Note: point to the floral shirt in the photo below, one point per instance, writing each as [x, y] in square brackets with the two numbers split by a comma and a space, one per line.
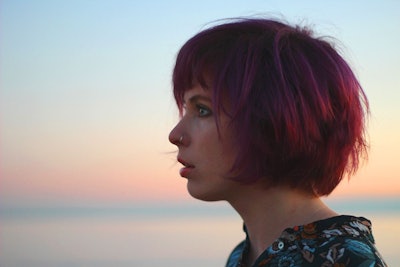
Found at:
[342, 241]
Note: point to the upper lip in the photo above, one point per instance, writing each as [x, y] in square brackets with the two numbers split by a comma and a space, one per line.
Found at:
[184, 163]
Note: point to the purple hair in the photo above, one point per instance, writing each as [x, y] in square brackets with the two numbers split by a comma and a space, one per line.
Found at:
[296, 108]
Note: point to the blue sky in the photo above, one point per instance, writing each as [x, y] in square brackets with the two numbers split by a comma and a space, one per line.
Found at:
[86, 103]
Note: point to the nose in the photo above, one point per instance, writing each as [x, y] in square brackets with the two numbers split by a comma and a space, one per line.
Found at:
[175, 136]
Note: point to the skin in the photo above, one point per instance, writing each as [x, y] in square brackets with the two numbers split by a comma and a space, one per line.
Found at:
[207, 158]
[209, 155]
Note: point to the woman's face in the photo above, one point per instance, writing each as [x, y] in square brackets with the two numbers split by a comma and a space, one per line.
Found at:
[206, 156]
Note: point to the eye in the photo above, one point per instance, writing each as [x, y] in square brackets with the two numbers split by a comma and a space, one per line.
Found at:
[203, 111]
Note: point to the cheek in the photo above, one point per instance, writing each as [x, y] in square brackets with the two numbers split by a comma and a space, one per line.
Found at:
[218, 152]
[206, 136]
[220, 156]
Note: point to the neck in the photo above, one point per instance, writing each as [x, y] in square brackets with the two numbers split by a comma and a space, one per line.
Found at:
[266, 213]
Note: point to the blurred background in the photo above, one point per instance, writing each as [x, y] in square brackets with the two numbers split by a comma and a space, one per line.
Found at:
[87, 175]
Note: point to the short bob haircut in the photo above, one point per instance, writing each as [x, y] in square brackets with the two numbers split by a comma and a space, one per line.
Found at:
[297, 110]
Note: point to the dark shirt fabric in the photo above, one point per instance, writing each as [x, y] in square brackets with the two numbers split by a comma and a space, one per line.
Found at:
[341, 241]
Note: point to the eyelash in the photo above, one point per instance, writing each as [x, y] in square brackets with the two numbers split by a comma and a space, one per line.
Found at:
[197, 109]
[201, 108]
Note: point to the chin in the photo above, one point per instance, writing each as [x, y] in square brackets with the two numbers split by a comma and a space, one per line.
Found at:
[203, 194]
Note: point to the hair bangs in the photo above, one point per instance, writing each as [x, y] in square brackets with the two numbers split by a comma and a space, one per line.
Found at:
[193, 66]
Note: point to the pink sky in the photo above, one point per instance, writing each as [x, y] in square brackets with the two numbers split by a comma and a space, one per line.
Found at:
[85, 111]
[125, 171]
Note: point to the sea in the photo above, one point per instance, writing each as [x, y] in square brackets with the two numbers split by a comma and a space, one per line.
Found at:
[167, 234]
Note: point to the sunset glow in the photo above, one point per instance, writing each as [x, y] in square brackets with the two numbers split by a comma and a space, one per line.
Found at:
[86, 103]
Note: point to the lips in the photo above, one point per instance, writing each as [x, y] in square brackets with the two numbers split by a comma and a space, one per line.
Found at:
[187, 168]
[184, 163]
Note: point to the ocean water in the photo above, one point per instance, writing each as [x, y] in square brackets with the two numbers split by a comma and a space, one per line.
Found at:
[195, 234]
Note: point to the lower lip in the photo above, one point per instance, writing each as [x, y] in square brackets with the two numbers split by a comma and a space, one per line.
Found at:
[184, 172]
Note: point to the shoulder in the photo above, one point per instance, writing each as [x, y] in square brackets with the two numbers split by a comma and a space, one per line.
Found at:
[340, 251]
[348, 251]
[338, 241]
[343, 241]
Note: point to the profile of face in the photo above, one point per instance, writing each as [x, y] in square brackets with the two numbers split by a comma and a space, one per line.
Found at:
[206, 154]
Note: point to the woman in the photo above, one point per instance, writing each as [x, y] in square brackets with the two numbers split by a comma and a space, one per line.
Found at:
[272, 119]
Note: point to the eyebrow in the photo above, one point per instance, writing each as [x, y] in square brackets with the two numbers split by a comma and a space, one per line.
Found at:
[196, 98]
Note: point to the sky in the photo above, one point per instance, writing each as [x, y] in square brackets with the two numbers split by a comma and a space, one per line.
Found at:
[86, 103]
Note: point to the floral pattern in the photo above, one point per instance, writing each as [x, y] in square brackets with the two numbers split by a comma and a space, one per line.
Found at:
[342, 241]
